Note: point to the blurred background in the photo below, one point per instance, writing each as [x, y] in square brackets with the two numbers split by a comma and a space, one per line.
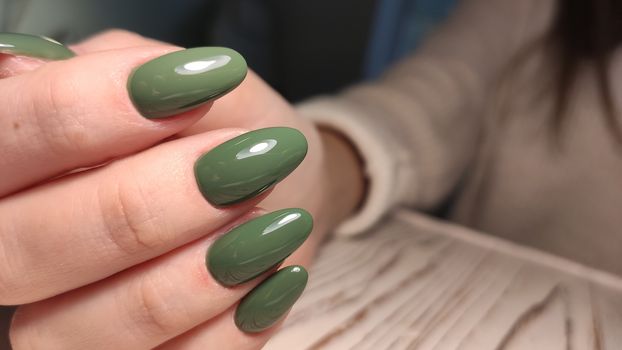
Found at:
[302, 48]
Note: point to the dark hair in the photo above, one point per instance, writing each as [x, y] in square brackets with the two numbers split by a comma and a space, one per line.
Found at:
[585, 32]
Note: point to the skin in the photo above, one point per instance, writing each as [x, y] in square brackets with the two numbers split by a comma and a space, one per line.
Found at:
[96, 266]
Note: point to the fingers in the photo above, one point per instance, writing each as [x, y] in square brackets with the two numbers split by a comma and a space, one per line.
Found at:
[15, 65]
[90, 109]
[132, 210]
[152, 303]
[254, 104]
[33, 46]
[20, 53]
[219, 333]
[138, 309]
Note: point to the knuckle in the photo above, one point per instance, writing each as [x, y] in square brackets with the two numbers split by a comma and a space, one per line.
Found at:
[153, 313]
[130, 220]
[56, 109]
[120, 35]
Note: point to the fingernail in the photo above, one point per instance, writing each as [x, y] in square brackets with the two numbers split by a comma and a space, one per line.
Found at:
[182, 80]
[268, 302]
[258, 245]
[33, 46]
[249, 164]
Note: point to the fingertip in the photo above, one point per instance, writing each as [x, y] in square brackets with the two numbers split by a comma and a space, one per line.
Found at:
[11, 65]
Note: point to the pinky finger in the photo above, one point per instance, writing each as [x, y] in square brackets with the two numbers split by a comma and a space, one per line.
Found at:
[253, 322]
[219, 333]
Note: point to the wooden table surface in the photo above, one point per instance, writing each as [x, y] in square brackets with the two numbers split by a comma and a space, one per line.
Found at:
[416, 283]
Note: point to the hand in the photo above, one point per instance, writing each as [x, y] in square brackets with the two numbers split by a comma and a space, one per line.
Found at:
[105, 221]
[329, 183]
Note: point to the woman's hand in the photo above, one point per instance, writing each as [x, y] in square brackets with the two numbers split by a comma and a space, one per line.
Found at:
[329, 183]
[105, 225]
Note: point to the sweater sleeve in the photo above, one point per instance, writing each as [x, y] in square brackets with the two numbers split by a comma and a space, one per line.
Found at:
[417, 128]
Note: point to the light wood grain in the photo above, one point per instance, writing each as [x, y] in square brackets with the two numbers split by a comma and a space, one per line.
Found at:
[415, 283]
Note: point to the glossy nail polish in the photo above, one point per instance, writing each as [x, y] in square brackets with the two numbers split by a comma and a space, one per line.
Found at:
[182, 80]
[249, 164]
[267, 303]
[33, 46]
[258, 245]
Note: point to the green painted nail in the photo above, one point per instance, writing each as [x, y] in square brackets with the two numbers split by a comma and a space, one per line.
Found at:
[182, 80]
[268, 302]
[256, 246]
[249, 164]
[33, 46]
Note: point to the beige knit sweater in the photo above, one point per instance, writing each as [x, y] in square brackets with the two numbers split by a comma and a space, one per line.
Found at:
[453, 118]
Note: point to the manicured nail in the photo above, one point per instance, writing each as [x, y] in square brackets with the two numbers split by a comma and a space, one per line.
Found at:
[258, 245]
[33, 46]
[249, 164]
[268, 302]
[182, 80]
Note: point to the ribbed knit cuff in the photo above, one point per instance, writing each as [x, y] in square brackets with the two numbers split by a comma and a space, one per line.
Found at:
[380, 154]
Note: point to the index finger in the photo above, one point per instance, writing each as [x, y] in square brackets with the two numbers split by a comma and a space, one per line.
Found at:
[89, 109]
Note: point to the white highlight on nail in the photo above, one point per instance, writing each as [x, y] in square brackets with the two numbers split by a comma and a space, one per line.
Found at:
[284, 221]
[202, 65]
[259, 148]
[49, 39]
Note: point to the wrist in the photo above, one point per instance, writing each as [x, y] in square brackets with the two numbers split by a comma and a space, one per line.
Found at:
[343, 181]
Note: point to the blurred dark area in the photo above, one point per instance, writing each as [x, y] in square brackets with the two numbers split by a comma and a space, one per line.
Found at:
[301, 48]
